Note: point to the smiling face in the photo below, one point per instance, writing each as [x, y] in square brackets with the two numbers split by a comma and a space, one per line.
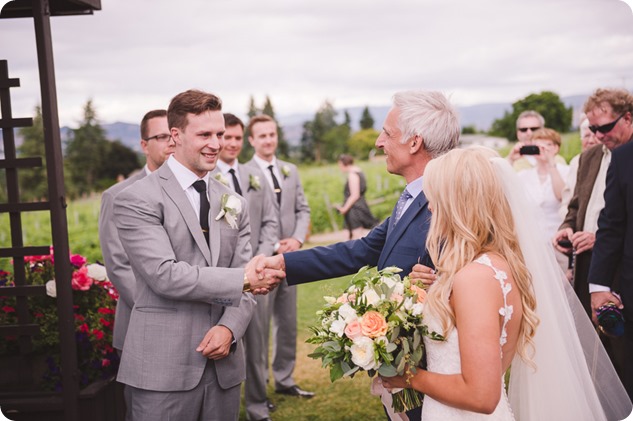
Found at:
[233, 142]
[198, 145]
[398, 154]
[263, 138]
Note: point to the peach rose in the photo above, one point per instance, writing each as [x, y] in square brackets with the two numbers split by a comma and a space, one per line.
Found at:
[420, 292]
[353, 329]
[373, 324]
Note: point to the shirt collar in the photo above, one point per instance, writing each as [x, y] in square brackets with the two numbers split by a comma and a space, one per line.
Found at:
[415, 187]
[184, 175]
[265, 164]
[224, 167]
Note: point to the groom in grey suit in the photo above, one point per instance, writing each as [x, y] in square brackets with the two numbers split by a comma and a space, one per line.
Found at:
[187, 236]
[250, 182]
[157, 146]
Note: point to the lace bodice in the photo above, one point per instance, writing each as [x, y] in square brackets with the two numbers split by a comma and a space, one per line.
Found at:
[443, 357]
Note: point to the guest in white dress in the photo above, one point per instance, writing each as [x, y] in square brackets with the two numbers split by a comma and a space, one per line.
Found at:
[499, 299]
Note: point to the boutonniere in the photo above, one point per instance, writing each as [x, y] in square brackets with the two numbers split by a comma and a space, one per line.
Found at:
[222, 179]
[231, 207]
[285, 170]
[253, 182]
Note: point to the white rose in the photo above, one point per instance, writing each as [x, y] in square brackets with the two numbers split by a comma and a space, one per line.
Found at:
[51, 289]
[362, 351]
[234, 203]
[371, 297]
[347, 312]
[417, 309]
[97, 272]
[338, 327]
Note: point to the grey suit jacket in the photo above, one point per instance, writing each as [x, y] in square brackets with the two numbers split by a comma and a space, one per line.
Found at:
[183, 286]
[294, 212]
[262, 212]
[116, 261]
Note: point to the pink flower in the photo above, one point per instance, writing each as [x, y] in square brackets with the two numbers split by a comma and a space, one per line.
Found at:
[81, 281]
[421, 293]
[105, 362]
[77, 260]
[353, 329]
[397, 298]
[373, 324]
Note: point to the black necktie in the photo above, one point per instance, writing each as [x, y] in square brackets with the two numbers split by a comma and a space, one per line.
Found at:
[201, 187]
[236, 184]
[276, 184]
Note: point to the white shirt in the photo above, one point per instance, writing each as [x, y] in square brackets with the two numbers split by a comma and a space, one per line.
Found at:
[224, 170]
[263, 165]
[186, 178]
[596, 200]
[414, 188]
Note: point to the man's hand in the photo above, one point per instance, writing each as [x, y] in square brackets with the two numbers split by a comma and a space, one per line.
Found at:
[583, 241]
[600, 298]
[421, 273]
[263, 274]
[564, 234]
[216, 344]
[288, 244]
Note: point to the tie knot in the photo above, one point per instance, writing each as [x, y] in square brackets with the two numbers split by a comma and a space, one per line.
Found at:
[270, 167]
[232, 171]
[200, 186]
[405, 195]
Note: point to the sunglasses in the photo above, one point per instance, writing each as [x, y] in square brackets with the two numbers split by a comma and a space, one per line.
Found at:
[525, 129]
[605, 128]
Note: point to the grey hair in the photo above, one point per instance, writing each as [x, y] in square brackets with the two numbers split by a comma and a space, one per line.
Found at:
[531, 113]
[431, 116]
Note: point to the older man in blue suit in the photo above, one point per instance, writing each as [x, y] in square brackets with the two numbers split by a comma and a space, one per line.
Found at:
[420, 126]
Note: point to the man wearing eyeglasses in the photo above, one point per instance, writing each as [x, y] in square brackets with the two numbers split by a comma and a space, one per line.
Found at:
[609, 114]
[527, 123]
[157, 145]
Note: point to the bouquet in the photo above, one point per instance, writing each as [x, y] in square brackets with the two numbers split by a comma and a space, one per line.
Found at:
[94, 302]
[376, 325]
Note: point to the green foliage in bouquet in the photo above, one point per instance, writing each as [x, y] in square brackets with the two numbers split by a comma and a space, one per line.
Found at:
[376, 325]
[94, 302]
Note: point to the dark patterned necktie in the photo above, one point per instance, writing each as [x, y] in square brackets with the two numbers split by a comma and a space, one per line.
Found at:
[236, 184]
[201, 188]
[400, 205]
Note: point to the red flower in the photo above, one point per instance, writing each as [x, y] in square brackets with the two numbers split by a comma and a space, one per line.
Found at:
[105, 362]
[8, 309]
[77, 260]
[81, 281]
[104, 310]
[97, 333]
[38, 315]
[105, 322]
[79, 317]
[84, 328]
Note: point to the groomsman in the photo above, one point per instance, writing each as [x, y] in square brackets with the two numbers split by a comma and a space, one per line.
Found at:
[187, 237]
[250, 182]
[420, 126]
[293, 214]
[157, 146]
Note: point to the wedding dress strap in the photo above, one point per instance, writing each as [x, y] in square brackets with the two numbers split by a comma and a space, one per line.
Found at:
[506, 287]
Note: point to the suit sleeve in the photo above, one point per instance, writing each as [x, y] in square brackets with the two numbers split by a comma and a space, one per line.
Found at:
[302, 211]
[139, 222]
[607, 250]
[336, 260]
[116, 260]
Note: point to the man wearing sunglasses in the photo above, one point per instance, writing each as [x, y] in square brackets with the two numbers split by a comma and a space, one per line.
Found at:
[527, 123]
[609, 114]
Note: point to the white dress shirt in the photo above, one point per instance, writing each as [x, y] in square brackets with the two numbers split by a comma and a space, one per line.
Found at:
[186, 178]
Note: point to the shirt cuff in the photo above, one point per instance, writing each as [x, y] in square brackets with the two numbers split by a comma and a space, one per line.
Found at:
[598, 288]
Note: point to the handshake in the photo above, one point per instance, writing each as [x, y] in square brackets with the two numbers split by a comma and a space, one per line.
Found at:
[262, 274]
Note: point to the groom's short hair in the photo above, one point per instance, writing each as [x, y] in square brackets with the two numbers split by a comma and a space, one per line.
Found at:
[193, 102]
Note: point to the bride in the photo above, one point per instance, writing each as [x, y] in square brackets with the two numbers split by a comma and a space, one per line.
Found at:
[501, 302]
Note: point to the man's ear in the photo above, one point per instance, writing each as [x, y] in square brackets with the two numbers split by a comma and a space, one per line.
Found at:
[175, 134]
[416, 144]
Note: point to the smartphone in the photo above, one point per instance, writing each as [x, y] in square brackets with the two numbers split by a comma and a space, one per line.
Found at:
[529, 150]
[565, 243]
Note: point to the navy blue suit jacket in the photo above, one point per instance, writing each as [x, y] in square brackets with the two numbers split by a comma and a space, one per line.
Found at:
[402, 245]
[612, 258]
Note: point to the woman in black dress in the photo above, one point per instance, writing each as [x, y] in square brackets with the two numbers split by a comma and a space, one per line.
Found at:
[358, 217]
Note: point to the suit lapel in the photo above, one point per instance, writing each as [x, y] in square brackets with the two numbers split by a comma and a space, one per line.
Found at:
[175, 192]
[215, 201]
[394, 233]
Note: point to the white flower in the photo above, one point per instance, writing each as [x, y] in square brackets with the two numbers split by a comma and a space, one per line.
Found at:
[231, 207]
[285, 170]
[417, 308]
[398, 287]
[408, 303]
[347, 312]
[97, 272]
[329, 300]
[362, 351]
[51, 289]
[253, 182]
[371, 296]
[222, 179]
[338, 327]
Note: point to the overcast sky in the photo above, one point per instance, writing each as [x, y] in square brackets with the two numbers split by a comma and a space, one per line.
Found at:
[134, 56]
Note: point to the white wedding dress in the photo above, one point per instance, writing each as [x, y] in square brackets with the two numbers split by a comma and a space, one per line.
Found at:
[443, 357]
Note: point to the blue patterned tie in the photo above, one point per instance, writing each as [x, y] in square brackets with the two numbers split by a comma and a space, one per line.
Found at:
[400, 205]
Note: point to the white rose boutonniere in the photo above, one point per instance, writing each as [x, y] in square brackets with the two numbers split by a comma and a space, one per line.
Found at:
[285, 170]
[253, 182]
[231, 207]
[222, 179]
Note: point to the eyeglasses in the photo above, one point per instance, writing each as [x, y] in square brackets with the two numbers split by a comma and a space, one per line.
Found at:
[525, 129]
[160, 138]
[605, 128]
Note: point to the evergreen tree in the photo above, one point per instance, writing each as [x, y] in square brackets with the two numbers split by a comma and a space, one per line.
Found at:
[33, 181]
[366, 120]
[282, 147]
[86, 153]
[121, 161]
[252, 109]
[307, 143]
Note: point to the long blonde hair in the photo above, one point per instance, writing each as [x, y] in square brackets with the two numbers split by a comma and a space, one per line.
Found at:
[471, 216]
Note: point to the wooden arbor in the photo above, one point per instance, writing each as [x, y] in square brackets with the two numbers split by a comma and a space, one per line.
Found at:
[40, 11]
